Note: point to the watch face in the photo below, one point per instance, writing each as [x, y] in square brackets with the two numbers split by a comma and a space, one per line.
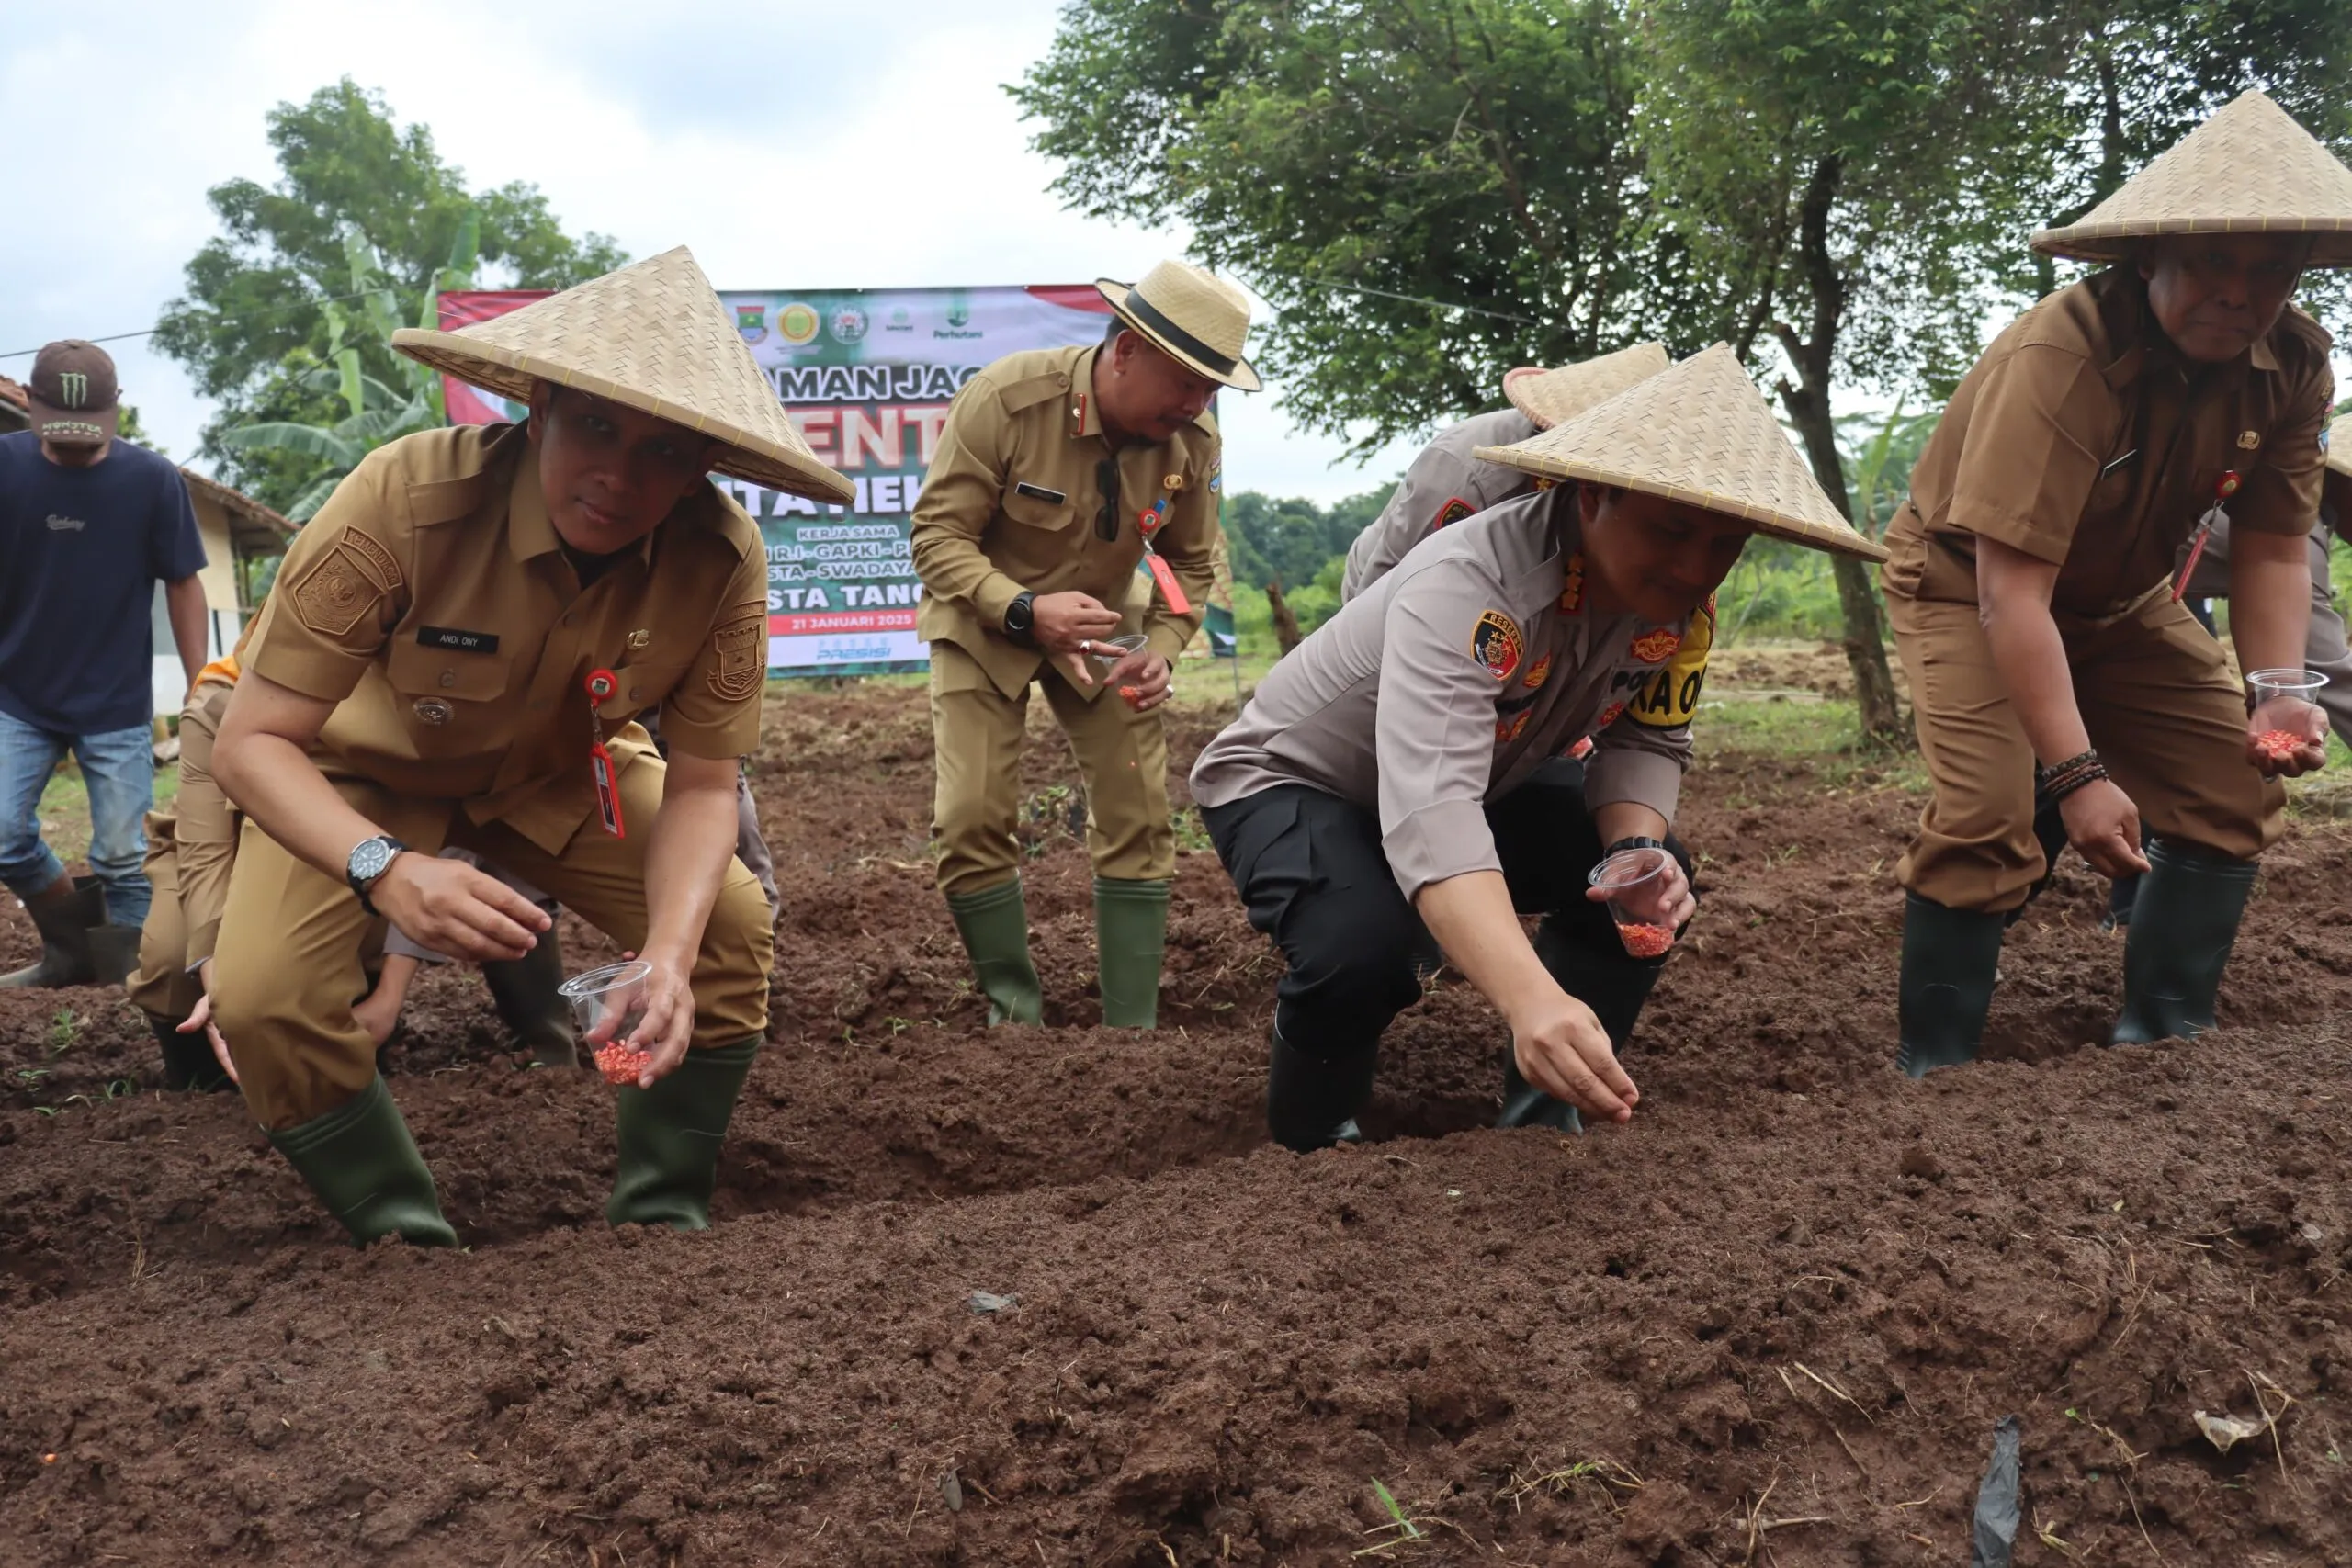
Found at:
[369, 860]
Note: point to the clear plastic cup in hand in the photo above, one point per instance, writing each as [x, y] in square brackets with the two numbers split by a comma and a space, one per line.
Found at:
[1109, 651]
[2285, 708]
[607, 1004]
[1638, 882]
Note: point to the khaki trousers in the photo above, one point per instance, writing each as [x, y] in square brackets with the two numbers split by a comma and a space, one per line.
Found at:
[2161, 708]
[162, 984]
[976, 734]
[288, 967]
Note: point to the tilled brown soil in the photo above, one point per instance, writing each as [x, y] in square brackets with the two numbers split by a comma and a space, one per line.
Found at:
[1773, 1321]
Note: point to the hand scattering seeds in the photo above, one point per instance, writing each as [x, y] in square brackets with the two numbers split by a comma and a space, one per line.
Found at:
[621, 1063]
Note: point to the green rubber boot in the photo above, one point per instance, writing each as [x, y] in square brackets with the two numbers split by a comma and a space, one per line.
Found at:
[364, 1167]
[994, 925]
[1130, 939]
[524, 991]
[668, 1140]
[1950, 958]
[2183, 924]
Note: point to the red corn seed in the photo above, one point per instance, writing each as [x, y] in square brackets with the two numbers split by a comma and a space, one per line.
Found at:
[1646, 940]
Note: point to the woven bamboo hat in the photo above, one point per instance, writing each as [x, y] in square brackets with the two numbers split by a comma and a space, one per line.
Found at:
[655, 337]
[2248, 170]
[1196, 318]
[1547, 397]
[1700, 434]
[2338, 442]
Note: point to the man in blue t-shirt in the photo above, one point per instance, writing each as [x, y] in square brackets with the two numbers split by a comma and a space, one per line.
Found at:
[89, 525]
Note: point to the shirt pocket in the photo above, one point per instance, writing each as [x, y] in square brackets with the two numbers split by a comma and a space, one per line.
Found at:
[1036, 512]
[450, 703]
[637, 687]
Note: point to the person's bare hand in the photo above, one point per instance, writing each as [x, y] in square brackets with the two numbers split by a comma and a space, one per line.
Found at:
[1669, 901]
[200, 1017]
[2104, 827]
[1562, 1050]
[1147, 674]
[1062, 623]
[668, 1026]
[449, 907]
[2288, 715]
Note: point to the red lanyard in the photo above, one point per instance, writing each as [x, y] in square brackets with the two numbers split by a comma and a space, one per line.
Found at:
[2213, 517]
[601, 686]
[1162, 572]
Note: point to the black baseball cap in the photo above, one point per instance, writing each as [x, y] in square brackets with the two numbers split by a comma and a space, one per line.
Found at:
[74, 394]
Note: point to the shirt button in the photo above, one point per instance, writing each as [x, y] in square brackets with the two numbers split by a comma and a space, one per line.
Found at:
[448, 678]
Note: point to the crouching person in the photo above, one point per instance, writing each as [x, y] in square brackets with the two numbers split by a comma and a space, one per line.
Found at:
[1383, 785]
[459, 642]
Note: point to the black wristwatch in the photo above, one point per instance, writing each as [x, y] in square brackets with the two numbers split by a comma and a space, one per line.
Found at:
[1638, 842]
[370, 858]
[1021, 615]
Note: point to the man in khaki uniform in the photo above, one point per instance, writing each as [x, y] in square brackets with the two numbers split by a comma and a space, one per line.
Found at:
[2031, 578]
[1445, 483]
[1058, 470]
[427, 674]
[1376, 788]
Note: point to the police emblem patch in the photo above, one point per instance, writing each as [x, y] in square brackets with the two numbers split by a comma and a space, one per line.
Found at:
[1655, 648]
[1496, 643]
[1572, 583]
[1538, 672]
[1455, 510]
[1511, 726]
[1607, 716]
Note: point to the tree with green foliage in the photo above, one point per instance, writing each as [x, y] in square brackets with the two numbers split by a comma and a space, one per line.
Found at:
[252, 328]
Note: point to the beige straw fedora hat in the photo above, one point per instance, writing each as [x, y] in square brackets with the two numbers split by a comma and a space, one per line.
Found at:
[1547, 397]
[1196, 318]
[1700, 434]
[655, 337]
[2339, 449]
[2248, 170]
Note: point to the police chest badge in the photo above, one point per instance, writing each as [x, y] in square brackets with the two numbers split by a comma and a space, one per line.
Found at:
[1538, 672]
[1511, 726]
[742, 657]
[1653, 647]
[1496, 643]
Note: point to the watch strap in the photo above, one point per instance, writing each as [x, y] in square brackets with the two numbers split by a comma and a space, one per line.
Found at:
[1636, 841]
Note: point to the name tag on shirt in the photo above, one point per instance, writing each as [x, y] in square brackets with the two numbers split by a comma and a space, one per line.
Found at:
[457, 641]
[1039, 492]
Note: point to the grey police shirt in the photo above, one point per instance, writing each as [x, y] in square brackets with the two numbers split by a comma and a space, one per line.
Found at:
[1449, 680]
[1445, 485]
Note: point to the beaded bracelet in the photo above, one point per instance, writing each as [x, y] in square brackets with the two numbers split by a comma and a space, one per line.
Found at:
[2060, 780]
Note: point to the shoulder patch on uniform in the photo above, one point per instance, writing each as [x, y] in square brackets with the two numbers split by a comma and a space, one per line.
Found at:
[1511, 726]
[335, 593]
[1495, 642]
[1455, 510]
[1572, 584]
[1654, 648]
[1538, 672]
[740, 643]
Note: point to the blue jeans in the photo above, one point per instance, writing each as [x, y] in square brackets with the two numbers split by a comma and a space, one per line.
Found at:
[119, 770]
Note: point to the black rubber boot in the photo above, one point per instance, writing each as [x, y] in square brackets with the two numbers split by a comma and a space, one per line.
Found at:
[668, 1139]
[364, 1167]
[2182, 928]
[189, 1060]
[2122, 894]
[1950, 958]
[1613, 985]
[524, 991]
[63, 920]
[114, 953]
[1311, 1103]
[1130, 940]
[994, 924]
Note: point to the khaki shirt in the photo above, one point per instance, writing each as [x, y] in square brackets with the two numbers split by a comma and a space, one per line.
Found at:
[1449, 680]
[202, 825]
[1010, 503]
[2083, 439]
[1445, 485]
[431, 602]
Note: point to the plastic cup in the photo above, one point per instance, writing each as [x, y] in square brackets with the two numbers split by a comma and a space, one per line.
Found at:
[611, 1000]
[2301, 685]
[1633, 880]
[1109, 651]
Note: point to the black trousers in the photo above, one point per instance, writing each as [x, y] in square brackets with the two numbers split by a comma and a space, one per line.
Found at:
[1312, 874]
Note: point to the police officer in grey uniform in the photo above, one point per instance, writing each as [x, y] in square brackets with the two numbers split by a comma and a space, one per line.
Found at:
[1446, 483]
[1371, 794]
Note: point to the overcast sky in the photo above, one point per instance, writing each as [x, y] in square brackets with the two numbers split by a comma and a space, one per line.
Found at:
[791, 144]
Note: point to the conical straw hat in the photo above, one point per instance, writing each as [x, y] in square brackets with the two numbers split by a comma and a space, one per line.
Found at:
[2339, 450]
[1547, 397]
[1700, 434]
[2248, 170]
[1195, 316]
[655, 337]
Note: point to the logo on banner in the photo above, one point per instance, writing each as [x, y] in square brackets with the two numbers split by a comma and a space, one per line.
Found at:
[751, 322]
[899, 321]
[849, 326]
[797, 323]
[959, 309]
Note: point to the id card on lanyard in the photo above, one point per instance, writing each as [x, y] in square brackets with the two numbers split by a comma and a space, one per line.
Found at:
[601, 686]
[1162, 572]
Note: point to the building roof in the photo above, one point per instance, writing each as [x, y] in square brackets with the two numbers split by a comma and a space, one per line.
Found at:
[15, 408]
[253, 529]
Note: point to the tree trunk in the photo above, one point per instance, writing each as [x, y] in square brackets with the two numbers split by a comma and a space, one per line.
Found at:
[1808, 406]
[1285, 624]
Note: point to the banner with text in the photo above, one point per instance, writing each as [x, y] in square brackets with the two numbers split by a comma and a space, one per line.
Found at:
[866, 376]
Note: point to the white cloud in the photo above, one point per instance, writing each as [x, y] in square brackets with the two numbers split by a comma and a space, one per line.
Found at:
[801, 145]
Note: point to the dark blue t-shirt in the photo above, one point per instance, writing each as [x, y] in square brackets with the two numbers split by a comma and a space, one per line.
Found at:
[81, 551]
